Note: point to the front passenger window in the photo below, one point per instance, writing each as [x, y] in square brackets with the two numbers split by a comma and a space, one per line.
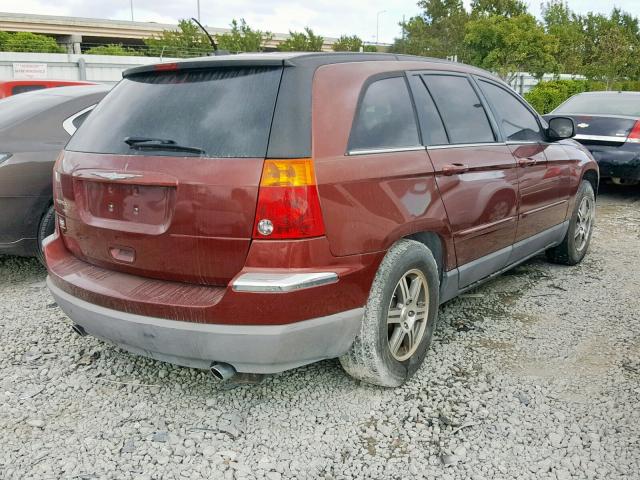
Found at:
[516, 121]
[385, 117]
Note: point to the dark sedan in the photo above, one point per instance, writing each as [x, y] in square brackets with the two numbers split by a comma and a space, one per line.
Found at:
[34, 128]
[608, 125]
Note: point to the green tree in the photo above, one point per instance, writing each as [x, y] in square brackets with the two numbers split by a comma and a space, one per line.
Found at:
[4, 37]
[503, 8]
[438, 32]
[546, 96]
[242, 38]
[111, 49]
[187, 41]
[305, 41]
[347, 44]
[507, 45]
[31, 42]
[611, 47]
[352, 44]
[566, 26]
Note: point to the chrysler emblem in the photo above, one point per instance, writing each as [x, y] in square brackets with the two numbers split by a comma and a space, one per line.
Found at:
[583, 125]
[115, 175]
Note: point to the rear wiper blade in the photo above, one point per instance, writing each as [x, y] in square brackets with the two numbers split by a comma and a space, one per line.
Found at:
[137, 140]
[144, 143]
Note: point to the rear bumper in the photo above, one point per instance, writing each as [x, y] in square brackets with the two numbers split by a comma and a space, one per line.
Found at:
[249, 348]
[617, 161]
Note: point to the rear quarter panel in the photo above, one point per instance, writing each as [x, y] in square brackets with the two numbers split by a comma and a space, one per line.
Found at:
[369, 201]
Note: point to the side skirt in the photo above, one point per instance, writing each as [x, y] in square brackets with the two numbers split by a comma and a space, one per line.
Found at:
[518, 253]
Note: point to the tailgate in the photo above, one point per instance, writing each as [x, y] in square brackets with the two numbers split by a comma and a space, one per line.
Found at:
[161, 180]
[174, 218]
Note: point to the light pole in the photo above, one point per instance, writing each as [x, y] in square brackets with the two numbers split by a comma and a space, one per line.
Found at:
[378, 25]
[131, 4]
[198, 10]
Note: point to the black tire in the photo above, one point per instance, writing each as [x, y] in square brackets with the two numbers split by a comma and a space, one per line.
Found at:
[569, 252]
[370, 358]
[46, 228]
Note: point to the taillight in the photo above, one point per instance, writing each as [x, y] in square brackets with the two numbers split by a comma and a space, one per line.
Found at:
[634, 135]
[288, 201]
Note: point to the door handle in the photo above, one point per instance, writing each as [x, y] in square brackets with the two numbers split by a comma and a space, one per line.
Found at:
[454, 169]
[526, 162]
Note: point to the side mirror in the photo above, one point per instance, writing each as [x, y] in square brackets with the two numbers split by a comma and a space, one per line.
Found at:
[560, 128]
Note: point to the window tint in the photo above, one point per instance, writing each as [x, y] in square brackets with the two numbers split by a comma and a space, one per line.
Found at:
[26, 88]
[385, 118]
[226, 112]
[516, 121]
[433, 132]
[461, 109]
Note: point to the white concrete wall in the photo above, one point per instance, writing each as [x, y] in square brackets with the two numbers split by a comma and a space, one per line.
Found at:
[61, 66]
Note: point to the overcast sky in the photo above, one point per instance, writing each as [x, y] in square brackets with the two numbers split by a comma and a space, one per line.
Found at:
[330, 18]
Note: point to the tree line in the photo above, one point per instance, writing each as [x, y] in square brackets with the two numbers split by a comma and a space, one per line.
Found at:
[504, 37]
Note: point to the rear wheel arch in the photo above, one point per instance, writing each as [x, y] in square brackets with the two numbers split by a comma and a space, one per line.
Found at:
[435, 244]
[46, 226]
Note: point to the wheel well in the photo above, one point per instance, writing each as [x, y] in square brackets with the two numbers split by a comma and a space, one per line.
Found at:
[592, 177]
[434, 243]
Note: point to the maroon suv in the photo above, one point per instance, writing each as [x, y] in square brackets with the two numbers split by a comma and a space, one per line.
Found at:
[255, 213]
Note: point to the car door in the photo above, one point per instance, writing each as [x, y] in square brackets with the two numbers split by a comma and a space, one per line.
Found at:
[475, 171]
[543, 170]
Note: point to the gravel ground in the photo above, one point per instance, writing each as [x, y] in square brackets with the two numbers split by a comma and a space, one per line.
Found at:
[534, 375]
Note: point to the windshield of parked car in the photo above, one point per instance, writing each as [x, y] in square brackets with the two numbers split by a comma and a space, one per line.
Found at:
[605, 104]
[225, 112]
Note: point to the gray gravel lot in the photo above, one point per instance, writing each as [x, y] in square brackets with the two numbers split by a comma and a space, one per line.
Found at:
[534, 375]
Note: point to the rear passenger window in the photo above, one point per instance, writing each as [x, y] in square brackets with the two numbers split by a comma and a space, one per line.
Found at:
[516, 121]
[461, 110]
[433, 132]
[385, 118]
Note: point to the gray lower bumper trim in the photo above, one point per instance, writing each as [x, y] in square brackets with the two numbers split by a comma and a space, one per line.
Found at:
[249, 348]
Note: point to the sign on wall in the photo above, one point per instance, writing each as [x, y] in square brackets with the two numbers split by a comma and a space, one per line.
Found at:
[29, 70]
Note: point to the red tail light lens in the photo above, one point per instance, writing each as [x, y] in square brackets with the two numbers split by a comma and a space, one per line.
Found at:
[634, 135]
[288, 201]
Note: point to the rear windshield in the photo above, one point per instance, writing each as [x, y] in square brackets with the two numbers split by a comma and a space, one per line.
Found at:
[225, 112]
[609, 104]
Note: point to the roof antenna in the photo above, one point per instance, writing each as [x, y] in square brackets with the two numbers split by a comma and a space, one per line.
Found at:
[213, 42]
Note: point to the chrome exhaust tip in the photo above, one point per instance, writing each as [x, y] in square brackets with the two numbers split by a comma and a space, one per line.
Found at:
[222, 371]
[79, 330]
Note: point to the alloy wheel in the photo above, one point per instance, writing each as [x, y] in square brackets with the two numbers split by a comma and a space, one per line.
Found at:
[407, 315]
[584, 223]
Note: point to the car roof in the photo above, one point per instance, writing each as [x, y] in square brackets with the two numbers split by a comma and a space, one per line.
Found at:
[48, 81]
[74, 91]
[287, 59]
[609, 92]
